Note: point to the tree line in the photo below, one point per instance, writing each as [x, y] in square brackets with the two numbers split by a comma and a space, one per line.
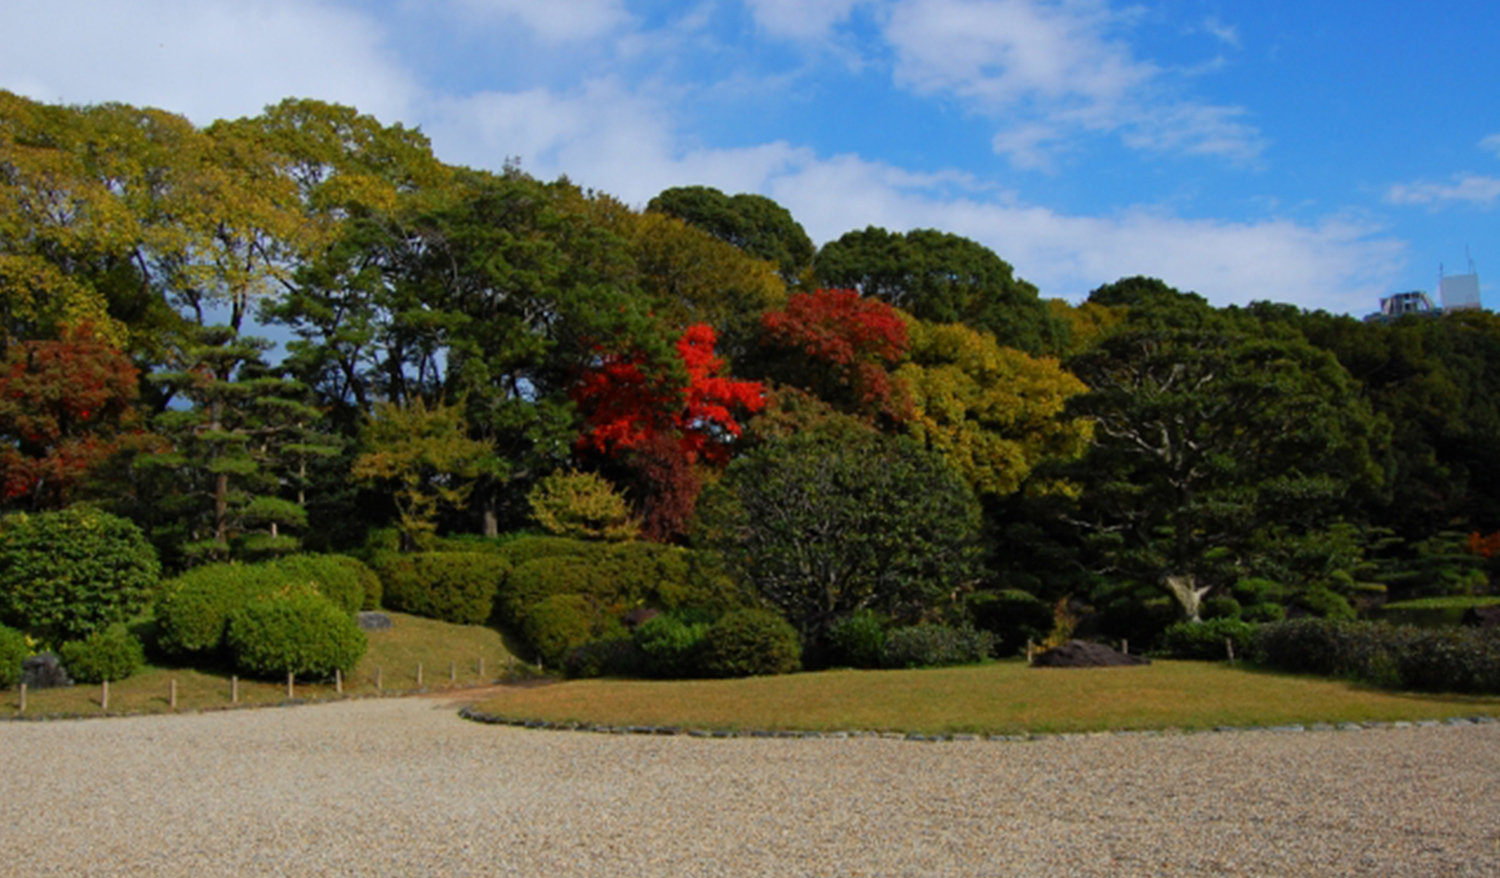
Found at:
[893, 421]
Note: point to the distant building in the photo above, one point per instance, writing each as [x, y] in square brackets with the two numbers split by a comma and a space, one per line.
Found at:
[1458, 292]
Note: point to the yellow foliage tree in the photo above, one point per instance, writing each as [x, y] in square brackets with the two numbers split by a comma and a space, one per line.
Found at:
[583, 506]
[992, 411]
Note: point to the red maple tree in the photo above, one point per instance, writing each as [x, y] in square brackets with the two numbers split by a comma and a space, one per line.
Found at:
[661, 430]
[63, 407]
[841, 347]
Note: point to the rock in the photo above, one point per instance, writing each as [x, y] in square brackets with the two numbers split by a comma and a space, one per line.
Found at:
[44, 671]
[372, 621]
[1083, 654]
[1482, 617]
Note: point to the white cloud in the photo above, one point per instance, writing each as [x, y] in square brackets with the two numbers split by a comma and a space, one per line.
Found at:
[1225, 33]
[1491, 144]
[555, 21]
[206, 59]
[1054, 67]
[800, 19]
[1470, 189]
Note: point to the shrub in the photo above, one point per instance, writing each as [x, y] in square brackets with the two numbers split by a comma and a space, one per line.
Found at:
[1258, 591]
[670, 645]
[751, 643]
[1221, 607]
[856, 640]
[558, 625]
[64, 575]
[610, 657]
[1204, 641]
[1263, 613]
[299, 632]
[457, 587]
[369, 580]
[111, 654]
[582, 506]
[333, 575]
[1013, 616]
[193, 610]
[1320, 601]
[1332, 648]
[921, 646]
[13, 651]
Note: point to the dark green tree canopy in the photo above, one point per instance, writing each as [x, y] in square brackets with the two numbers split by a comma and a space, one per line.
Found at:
[942, 278]
[753, 223]
[822, 527]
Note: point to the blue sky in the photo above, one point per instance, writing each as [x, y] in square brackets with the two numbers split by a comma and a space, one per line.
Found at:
[1320, 153]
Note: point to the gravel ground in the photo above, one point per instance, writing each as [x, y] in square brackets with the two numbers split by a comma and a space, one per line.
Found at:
[405, 787]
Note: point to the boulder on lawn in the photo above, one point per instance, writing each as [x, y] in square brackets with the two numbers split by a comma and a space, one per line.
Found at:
[44, 671]
[1083, 654]
[372, 621]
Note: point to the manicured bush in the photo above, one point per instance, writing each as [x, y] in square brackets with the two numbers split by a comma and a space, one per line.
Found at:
[111, 654]
[333, 575]
[1332, 648]
[457, 587]
[369, 580]
[1013, 616]
[1320, 601]
[856, 640]
[923, 646]
[193, 610]
[751, 643]
[1220, 607]
[299, 632]
[13, 651]
[1205, 641]
[1448, 660]
[671, 646]
[611, 657]
[64, 575]
[557, 626]
[1263, 613]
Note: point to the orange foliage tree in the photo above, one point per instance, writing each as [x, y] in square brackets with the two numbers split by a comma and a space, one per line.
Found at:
[840, 347]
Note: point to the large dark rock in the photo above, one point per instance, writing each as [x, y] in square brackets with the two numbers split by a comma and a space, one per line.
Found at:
[1082, 654]
[1482, 617]
[372, 621]
[44, 671]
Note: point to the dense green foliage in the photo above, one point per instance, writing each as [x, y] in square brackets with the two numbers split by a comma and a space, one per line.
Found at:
[297, 632]
[1208, 641]
[67, 574]
[1013, 616]
[457, 587]
[928, 645]
[13, 651]
[1430, 660]
[751, 643]
[671, 645]
[111, 654]
[856, 640]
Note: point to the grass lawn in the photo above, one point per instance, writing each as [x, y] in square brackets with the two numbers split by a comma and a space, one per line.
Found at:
[997, 698]
[393, 656]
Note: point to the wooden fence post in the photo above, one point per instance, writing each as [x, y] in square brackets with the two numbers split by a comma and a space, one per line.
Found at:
[1125, 646]
[234, 689]
[1229, 647]
[481, 669]
[338, 681]
[23, 698]
[172, 696]
[1030, 651]
[379, 679]
[290, 677]
[104, 696]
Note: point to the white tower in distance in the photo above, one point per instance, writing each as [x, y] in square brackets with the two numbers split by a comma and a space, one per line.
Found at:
[1459, 292]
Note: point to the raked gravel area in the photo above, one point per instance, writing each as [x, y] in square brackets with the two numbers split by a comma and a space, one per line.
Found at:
[404, 787]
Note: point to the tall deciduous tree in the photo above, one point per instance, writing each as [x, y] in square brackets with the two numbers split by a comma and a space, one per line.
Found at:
[942, 278]
[753, 223]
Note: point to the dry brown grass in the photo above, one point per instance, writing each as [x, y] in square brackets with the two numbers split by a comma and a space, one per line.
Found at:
[1004, 697]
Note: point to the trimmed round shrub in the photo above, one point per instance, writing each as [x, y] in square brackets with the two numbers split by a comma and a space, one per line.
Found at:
[856, 640]
[751, 643]
[583, 506]
[13, 651]
[111, 654]
[1221, 607]
[333, 576]
[193, 610]
[369, 581]
[557, 626]
[671, 646]
[610, 657]
[299, 632]
[1013, 616]
[1328, 604]
[457, 587]
[1263, 613]
[1204, 641]
[65, 575]
[924, 646]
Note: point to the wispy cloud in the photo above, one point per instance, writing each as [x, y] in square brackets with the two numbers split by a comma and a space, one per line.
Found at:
[1224, 33]
[801, 19]
[1491, 144]
[1056, 68]
[554, 22]
[1470, 189]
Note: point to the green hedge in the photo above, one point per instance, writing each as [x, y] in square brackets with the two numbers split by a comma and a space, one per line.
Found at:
[671, 646]
[193, 610]
[922, 646]
[557, 626]
[456, 587]
[1205, 641]
[751, 643]
[13, 651]
[299, 632]
[64, 575]
[1430, 660]
[857, 640]
[112, 654]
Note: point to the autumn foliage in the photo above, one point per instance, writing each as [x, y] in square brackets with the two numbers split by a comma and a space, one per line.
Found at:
[1486, 545]
[661, 430]
[63, 405]
[841, 347]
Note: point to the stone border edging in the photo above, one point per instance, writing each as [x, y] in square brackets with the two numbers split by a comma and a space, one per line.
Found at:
[480, 716]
